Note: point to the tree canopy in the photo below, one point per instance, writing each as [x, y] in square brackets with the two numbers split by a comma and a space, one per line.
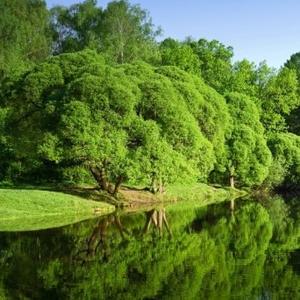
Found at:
[89, 93]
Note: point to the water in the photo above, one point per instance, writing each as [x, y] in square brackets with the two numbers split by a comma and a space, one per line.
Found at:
[176, 252]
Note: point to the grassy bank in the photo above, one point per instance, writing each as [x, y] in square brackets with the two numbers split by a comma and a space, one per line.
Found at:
[27, 209]
[31, 209]
[201, 193]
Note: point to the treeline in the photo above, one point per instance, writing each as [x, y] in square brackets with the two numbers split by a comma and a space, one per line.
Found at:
[88, 93]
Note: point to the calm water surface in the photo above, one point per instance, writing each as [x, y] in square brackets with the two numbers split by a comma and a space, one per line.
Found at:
[176, 252]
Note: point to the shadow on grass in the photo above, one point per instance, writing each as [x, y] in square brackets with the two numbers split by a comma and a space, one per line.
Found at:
[85, 192]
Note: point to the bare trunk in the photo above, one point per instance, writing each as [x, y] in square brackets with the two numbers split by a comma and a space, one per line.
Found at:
[232, 181]
[232, 205]
[161, 186]
[166, 223]
[153, 188]
[100, 176]
[160, 221]
[122, 56]
[118, 185]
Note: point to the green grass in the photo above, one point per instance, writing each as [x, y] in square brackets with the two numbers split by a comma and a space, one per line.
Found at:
[22, 209]
[202, 193]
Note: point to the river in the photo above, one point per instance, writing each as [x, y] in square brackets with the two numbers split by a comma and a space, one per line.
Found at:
[181, 251]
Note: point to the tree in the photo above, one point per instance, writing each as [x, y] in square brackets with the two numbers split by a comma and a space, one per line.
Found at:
[244, 79]
[294, 63]
[5, 152]
[128, 32]
[25, 35]
[215, 62]
[293, 121]
[76, 27]
[278, 99]
[285, 168]
[174, 53]
[208, 108]
[249, 157]
[117, 122]
[121, 31]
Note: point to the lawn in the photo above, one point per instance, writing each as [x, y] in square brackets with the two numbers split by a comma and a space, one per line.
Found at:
[26, 209]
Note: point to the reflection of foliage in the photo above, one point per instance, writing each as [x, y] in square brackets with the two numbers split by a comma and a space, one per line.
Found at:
[285, 217]
[280, 279]
[211, 255]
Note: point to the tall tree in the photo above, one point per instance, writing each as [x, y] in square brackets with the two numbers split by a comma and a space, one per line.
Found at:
[128, 32]
[174, 53]
[76, 27]
[215, 62]
[24, 34]
[244, 78]
[249, 158]
[278, 99]
[294, 63]
[124, 32]
[293, 120]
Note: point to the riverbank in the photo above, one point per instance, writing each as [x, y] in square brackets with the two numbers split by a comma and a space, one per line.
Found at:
[134, 197]
[31, 209]
[202, 194]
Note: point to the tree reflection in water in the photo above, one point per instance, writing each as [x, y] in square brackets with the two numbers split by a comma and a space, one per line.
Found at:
[215, 252]
[98, 240]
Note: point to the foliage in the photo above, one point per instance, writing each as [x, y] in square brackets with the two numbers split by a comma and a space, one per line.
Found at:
[116, 106]
[21, 42]
[249, 157]
[286, 159]
[76, 27]
[211, 254]
[124, 32]
[174, 53]
[278, 99]
[117, 120]
[215, 62]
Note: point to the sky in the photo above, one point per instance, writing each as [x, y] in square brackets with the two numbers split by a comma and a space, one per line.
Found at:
[257, 29]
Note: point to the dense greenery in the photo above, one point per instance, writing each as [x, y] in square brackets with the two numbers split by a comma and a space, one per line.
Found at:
[92, 96]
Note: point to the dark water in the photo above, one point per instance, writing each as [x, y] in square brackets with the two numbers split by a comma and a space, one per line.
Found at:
[177, 252]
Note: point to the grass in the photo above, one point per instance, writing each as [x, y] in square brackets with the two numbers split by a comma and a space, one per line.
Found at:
[28, 209]
[196, 194]
[202, 193]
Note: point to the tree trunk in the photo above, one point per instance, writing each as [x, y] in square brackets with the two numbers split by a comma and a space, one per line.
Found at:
[232, 205]
[153, 187]
[161, 186]
[118, 185]
[100, 177]
[232, 181]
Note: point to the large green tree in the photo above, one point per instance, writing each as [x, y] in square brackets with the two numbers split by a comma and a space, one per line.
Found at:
[117, 122]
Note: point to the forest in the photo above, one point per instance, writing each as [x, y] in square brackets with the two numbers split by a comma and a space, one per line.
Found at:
[93, 95]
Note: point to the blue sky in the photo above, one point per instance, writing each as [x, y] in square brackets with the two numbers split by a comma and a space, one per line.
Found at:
[258, 30]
